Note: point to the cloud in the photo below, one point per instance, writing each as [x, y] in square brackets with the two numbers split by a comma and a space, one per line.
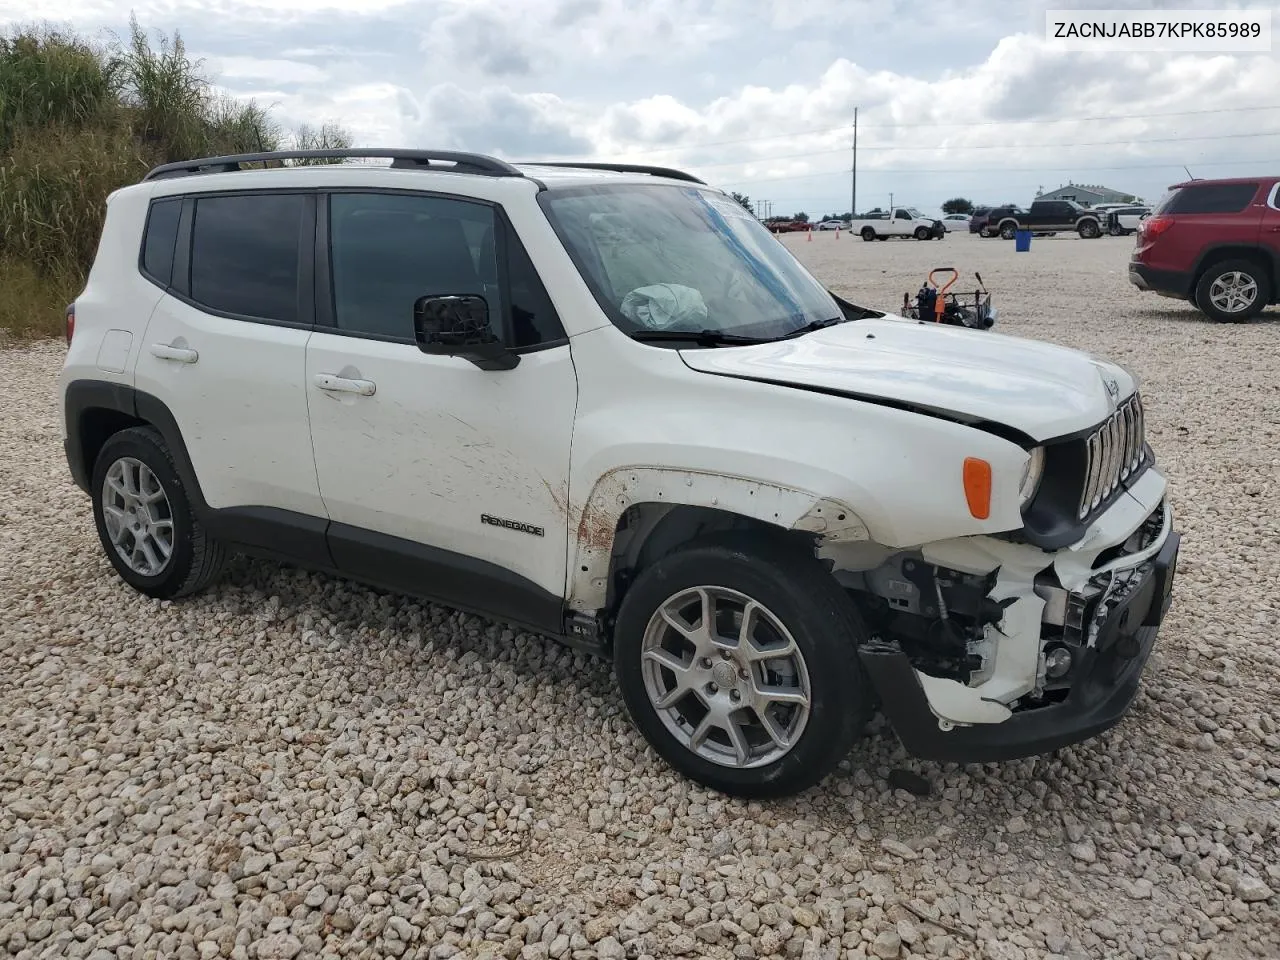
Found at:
[751, 94]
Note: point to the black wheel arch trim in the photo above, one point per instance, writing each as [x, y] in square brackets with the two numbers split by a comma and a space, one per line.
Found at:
[379, 560]
[1222, 251]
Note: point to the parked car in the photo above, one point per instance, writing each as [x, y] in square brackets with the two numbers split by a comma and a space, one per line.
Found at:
[1122, 221]
[1049, 216]
[905, 222]
[952, 221]
[833, 225]
[1215, 243]
[784, 225]
[471, 381]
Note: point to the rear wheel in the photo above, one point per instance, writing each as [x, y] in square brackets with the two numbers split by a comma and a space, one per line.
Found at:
[1007, 230]
[868, 233]
[1233, 291]
[737, 660]
[144, 519]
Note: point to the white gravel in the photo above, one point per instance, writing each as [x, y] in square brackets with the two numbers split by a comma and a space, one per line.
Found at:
[290, 766]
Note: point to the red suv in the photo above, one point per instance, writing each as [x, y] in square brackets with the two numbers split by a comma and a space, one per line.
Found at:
[1215, 243]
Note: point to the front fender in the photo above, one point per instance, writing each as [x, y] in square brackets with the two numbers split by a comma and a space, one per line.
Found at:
[784, 507]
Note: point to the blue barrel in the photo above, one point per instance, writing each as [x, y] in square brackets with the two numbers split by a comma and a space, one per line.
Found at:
[1021, 241]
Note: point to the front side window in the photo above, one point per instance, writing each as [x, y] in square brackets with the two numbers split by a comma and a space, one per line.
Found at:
[389, 249]
[684, 259]
[244, 255]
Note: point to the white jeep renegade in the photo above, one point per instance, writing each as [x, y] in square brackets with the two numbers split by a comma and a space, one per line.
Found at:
[603, 402]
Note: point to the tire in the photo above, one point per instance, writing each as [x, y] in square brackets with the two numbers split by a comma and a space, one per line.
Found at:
[1007, 230]
[1088, 229]
[1213, 291]
[868, 233]
[922, 233]
[1116, 230]
[137, 459]
[794, 590]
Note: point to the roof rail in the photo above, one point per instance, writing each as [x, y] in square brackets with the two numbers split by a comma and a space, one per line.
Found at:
[463, 162]
[622, 168]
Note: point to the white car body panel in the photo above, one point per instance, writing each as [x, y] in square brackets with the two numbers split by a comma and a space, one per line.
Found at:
[441, 443]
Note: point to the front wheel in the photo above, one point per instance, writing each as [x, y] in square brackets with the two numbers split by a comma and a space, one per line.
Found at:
[1088, 229]
[144, 518]
[1233, 291]
[737, 660]
[922, 233]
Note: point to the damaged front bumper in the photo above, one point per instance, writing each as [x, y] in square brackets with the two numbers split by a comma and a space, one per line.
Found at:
[1108, 598]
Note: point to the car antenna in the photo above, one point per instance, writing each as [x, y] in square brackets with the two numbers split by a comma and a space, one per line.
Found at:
[1190, 175]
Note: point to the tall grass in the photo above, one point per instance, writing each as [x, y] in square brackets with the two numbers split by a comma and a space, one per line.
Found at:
[79, 120]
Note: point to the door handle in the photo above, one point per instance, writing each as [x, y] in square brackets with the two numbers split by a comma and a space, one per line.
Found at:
[336, 384]
[1275, 230]
[181, 354]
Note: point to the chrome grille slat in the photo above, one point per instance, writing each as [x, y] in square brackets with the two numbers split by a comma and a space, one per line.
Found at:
[1113, 452]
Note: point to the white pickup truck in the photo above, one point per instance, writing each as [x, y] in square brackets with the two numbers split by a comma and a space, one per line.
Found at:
[904, 222]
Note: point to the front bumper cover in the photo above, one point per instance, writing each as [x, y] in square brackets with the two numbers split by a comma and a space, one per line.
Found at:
[1105, 682]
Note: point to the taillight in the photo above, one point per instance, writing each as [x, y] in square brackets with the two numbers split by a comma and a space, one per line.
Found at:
[1152, 227]
[71, 322]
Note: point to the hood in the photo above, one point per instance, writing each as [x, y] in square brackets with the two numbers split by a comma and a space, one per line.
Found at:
[1037, 388]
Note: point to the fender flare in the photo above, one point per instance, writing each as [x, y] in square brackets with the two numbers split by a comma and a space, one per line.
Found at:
[787, 508]
[83, 396]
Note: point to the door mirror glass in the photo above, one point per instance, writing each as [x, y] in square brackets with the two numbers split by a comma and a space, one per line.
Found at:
[458, 326]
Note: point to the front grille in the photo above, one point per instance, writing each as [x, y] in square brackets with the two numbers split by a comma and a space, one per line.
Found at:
[1116, 450]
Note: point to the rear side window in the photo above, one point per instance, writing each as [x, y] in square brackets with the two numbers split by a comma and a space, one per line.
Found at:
[244, 255]
[160, 239]
[1209, 198]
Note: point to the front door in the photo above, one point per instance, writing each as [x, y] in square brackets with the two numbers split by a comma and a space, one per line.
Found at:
[440, 478]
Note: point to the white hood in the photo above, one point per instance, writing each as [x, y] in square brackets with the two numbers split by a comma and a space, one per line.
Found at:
[1041, 389]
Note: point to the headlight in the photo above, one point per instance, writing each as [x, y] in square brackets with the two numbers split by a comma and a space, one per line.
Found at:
[1031, 474]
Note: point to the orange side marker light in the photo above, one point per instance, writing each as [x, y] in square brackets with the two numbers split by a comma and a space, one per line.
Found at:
[977, 487]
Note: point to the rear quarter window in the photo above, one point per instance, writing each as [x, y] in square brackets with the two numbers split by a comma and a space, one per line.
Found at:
[160, 239]
[1209, 198]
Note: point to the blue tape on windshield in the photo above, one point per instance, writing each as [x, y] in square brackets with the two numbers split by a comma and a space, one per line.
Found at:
[767, 278]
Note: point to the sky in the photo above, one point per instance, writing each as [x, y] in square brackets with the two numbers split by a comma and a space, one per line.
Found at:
[964, 98]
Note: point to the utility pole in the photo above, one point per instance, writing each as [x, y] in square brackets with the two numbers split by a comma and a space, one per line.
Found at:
[891, 205]
[853, 183]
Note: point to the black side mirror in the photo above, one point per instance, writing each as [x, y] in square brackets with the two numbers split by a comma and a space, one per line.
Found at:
[458, 326]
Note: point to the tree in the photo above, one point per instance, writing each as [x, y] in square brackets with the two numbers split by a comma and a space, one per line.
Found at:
[743, 199]
[958, 205]
[801, 217]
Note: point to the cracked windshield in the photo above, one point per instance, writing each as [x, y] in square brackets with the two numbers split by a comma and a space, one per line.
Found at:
[685, 260]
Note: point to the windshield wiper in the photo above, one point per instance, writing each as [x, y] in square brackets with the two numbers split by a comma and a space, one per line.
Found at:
[705, 338]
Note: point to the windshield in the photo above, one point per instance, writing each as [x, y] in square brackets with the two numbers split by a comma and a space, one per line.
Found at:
[684, 259]
[916, 214]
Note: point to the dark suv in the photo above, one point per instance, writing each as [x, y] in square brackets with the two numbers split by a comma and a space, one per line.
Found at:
[1215, 243]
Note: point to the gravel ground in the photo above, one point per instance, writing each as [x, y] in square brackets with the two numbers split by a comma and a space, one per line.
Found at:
[291, 766]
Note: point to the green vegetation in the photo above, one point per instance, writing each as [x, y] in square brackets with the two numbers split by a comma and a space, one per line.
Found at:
[79, 120]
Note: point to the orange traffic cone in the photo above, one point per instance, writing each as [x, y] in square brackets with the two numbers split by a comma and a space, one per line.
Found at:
[837, 233]
[809, 238]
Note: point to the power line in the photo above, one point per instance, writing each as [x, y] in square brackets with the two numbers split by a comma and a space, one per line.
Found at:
[813, 131]
[995, 146]
[906, 171]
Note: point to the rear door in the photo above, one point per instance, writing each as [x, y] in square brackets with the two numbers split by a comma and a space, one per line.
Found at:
[225, 347]
[1211, 215]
